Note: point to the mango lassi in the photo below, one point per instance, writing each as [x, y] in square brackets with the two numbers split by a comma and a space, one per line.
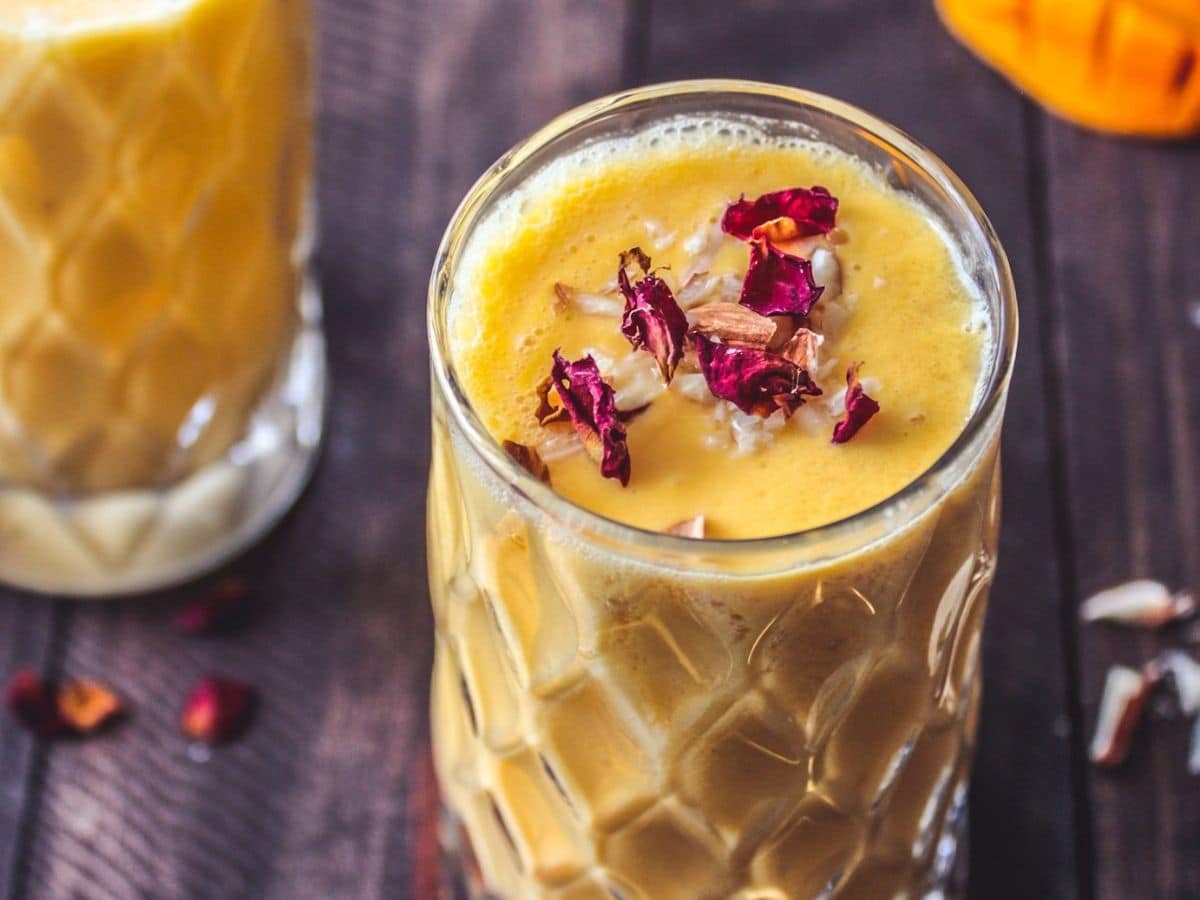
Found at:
[155, 170]
[154, 161]
[639, 715]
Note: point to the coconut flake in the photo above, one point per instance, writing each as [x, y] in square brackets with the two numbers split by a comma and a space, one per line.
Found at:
[1142, 603]
[1121, 706]
[704, 287]
[827, 273]
[702, 247]
[660, 238]
[689, 528]
[590, 304]
[635, 381]
[560, 446]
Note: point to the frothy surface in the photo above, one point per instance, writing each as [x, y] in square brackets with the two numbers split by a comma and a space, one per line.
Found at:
[43, 18]
[910, 318]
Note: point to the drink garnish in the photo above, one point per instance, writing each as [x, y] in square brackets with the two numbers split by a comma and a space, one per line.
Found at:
[528, 459]
[859, 408]
[732, 323]
[653, 320]
[803, 348]
[591, 405]
[813, 210]
[755, 381]
[49, 710]
[219, 610]
[689, 528]
[778, 283]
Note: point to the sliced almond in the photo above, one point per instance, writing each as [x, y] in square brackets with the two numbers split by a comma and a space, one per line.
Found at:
[803, 348]
[1185, 678]
[689, 528]
[1142, 603]
[1125, 693]
[732, 323]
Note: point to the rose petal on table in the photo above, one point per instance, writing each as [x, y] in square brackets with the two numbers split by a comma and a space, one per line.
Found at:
[33, 703]
[1142, 603]
[217, 710]
[87, 706]
[1121, 706]
[221, 608]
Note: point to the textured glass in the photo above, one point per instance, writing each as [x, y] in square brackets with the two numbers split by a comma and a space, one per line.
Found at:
[154, 232]
[623, 714]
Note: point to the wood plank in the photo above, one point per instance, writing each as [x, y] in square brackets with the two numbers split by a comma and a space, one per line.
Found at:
[1123, 221]
[26, 640]
[316, 800]
[894, 59]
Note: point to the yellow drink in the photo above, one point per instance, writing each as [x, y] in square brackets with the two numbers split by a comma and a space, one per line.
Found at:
[154, 159]
[619, 712]
[155, 164]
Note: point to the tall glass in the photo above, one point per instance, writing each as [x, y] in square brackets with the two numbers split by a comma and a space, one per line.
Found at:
[622, 713]
[161, 361]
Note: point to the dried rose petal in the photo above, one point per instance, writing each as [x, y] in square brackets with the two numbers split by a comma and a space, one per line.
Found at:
[1185, 678]
[859, 408]
[217, 710]
[1143, 603]
[222, 608]
[529, 460]
[635, 255]
[755, 381]
[778, 283]
[33, 702]
[653, 321]
[812, 210]
[87, 706]
[1125, 693]
[689, 528]
[732, 323]
[591, 404]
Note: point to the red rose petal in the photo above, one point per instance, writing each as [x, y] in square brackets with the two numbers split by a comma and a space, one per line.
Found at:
[33, 702]
[223, 607]
[591, 404]
[217, 710]
[859, 408]
[755, 381]
[653, 321]
[779, 284]
[87, 706]
[814, 211]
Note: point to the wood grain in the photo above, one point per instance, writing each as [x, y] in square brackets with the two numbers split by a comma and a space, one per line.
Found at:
[893, 59]
[317, 801]
[1124, 238]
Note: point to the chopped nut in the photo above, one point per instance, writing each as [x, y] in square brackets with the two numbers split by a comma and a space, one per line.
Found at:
[732, 323]
[1142, 603]
[1125, 693]
[87, 706]
[1185, 678]
[803, 347]
[529, 460]
[689, 528]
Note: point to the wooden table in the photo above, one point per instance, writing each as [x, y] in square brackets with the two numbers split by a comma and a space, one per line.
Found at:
[329, 796]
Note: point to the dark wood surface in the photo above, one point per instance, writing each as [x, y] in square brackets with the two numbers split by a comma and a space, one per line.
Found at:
[329, 795]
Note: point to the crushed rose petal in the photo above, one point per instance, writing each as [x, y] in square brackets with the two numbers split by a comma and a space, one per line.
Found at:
[653, 320]
[591, 405]
[222, 608]
[778, 283]
[217, 710]
[87, 706]
[33, 702]
[859, 408]
[529, 460]
[1143, 603]
[755, 381]
[1121, 706]
[812, 211]
[689, 528]
[731, 323]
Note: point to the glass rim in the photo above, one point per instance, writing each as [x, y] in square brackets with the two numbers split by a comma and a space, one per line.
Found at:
[492, 184]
